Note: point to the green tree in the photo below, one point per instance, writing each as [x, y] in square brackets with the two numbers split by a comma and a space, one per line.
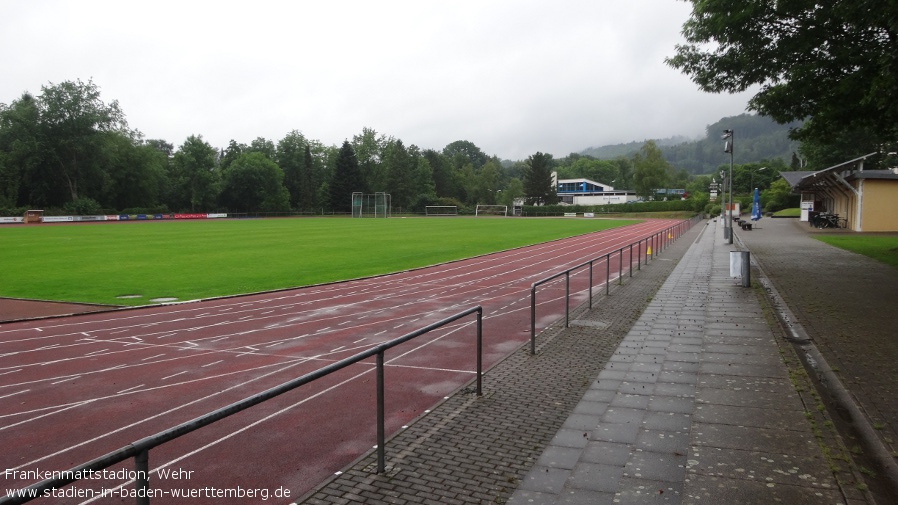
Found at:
[779, 196]
[650, 170]
[195, 175]
[137, 174]
[346, 179]
[513, 190]
[399, 167]
[473, 154]
[311, 181]
[292, 160]
[75, 122]
[539, 187]
[444, 183]
[264, 146]
[624, 178]
[21, 154]
[231, 153]
[488, 183]
[833, 64]
[254, 183]
[369, 150]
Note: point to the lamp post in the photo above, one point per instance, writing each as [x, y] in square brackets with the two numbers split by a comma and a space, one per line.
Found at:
[723, 200]
[728, 148]
[752, 185]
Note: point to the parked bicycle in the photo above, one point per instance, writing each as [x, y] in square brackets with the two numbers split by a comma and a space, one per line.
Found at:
[827, 220]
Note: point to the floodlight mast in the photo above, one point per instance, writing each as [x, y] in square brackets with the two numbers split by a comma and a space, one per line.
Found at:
[728, 148]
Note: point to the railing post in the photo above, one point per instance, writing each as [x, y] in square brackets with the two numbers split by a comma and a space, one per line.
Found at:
[567, 301]
[533, 319]
[590, 284]
[479, 351]
[639, 255]
[142, 480]
[381, 451]
[608, 274]
[631, 260]
[620, 265]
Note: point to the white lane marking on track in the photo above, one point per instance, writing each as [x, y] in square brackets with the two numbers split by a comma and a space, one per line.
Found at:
[132, 388]
[65, 380]
[96, 352]
[160, 414]
[359, 340]
[11, 371]
[213, 363]
[241, 430]
[16, 393]
[151, 357]
[433, 369]
[338, 348]
[172, 375]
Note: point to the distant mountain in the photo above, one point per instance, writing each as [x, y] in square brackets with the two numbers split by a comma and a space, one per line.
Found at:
[756, 138]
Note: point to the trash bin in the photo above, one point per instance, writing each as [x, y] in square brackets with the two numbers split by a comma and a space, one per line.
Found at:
[740, 266]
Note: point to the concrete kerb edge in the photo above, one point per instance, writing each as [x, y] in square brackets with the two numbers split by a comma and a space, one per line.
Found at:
[813, 359]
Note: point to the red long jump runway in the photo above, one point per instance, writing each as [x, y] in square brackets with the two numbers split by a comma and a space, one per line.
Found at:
[75, 388]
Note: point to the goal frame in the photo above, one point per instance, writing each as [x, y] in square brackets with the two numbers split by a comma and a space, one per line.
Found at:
[500, 210]
[371, 204]
[453, 210]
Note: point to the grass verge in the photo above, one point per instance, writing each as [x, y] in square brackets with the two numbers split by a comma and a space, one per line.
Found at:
[880, 247]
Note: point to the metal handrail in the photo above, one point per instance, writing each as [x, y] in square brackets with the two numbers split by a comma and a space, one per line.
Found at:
[659, 240]
[139, 450]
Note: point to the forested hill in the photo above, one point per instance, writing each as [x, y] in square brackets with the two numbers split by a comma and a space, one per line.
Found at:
[756, 138]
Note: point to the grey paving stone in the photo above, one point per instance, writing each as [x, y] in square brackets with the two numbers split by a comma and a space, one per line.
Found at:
[753, 438]
[771, 417]
[615, 432]
[559, 457]
[545, 479]
[606, 453]
[584, 497]
[701, 490]
[635, 491]
[667, 421]
[657, 466]
[792, 469]
[595, 477]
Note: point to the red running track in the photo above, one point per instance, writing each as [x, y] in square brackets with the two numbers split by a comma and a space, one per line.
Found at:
[75, 388]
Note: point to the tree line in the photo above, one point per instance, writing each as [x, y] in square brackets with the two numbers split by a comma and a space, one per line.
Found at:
[66, 149]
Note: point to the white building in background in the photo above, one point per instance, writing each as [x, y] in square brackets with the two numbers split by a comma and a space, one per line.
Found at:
[588, 192]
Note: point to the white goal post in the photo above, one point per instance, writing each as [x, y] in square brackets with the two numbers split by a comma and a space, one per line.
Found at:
[441, 210]
[371, 205]
[491, 210]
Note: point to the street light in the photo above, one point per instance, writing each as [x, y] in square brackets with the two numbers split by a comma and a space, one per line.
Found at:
[752, 185]
[728, 148]
[723, 199]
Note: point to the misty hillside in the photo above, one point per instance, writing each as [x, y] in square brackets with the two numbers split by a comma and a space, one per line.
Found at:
[756, 138]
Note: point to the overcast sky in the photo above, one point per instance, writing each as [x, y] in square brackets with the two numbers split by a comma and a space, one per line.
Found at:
[512, 76]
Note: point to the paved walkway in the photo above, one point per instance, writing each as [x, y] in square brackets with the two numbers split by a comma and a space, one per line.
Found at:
[678, 387]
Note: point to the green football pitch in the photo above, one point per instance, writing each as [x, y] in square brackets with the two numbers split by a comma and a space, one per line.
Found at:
[137, 262]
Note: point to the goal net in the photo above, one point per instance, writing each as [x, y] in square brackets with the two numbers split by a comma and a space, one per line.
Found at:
[491, 210]
[371, 205]
[441, 210]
